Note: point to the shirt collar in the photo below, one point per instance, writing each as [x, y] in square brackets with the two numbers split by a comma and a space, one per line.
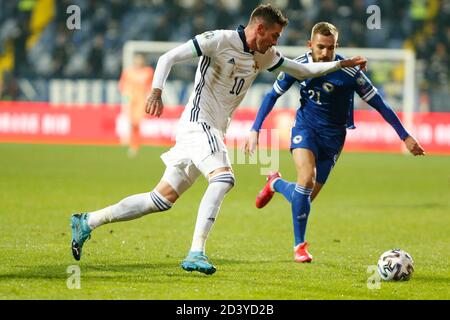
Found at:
[241, 32]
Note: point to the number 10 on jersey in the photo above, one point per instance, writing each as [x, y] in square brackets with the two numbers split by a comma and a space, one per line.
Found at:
[237, 87]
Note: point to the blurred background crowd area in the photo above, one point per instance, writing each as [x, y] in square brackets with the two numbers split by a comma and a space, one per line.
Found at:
[35, 41]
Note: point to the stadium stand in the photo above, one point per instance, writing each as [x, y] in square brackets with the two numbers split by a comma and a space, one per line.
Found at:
[35, 43]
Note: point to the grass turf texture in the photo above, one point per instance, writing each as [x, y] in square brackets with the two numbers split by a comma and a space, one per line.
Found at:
[371, 203]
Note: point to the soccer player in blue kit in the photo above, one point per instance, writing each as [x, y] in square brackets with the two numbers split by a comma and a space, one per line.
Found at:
[318, 134]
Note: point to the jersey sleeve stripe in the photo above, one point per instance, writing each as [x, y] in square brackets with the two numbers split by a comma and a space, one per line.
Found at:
[351, 70]
[197, 47]
[348, 72]
[278, 89]
[370, 94]
[279, 63]
[302, 58]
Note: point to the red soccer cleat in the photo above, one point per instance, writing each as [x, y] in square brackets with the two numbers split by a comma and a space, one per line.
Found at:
[267, 193]
[302, 254]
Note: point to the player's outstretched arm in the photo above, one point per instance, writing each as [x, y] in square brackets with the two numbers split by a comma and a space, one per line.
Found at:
[303, 71]
[354, 62]
[365, 91]
[413, 146]
[184, 52]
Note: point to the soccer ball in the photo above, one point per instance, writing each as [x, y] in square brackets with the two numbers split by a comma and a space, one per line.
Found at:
[395, 265]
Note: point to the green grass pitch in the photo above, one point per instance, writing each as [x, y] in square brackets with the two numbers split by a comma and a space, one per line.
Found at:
[371, 203]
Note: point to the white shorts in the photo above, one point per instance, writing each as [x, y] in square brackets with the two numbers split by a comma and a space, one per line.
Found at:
[199, 149]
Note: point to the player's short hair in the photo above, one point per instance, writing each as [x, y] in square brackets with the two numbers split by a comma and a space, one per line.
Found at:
[269, 15]
[325, 29]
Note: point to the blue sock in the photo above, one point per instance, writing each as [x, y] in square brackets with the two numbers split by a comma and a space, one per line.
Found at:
[301, 206]
[285, 188]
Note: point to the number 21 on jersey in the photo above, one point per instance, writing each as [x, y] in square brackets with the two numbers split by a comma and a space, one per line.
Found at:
[315, 94]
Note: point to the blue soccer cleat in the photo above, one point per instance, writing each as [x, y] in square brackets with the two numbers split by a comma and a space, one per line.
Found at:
[198, 261]
[80, 233]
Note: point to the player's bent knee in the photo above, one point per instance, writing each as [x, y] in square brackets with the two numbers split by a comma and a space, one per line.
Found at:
[219, 171]
[176, 181]
[167, 191]
[225, 177]
[159, 201]
[306, 179]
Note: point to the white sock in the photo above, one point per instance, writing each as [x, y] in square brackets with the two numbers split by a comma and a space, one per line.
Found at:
[219, 185]
[130, 208]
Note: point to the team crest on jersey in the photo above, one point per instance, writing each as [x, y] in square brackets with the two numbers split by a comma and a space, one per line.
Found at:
[297, 139]
[281, 76]
[255, 66]
[208, 34]
[328, 87]
[361, 81]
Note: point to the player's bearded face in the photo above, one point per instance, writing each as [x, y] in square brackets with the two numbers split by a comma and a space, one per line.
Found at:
[267, 37]
[323, 48]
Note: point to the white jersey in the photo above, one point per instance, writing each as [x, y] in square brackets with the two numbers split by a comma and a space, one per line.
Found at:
[225, 71]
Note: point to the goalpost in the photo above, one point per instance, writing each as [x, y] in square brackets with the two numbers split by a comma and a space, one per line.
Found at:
[383, 58]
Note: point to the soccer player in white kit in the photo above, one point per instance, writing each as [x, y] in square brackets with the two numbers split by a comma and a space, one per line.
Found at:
[230, 61]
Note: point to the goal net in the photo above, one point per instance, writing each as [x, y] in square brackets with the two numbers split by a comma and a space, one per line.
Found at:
[392, 71]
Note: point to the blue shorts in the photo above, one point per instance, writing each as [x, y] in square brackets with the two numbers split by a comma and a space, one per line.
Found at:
[326, 149]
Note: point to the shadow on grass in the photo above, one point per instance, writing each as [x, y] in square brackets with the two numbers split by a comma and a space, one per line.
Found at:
[104, 270]
[130, 272]
[436, 279]
[60, 271]
[425, 205]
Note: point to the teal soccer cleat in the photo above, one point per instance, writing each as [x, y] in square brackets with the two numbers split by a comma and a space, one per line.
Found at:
[80, 233]
[197, 261]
